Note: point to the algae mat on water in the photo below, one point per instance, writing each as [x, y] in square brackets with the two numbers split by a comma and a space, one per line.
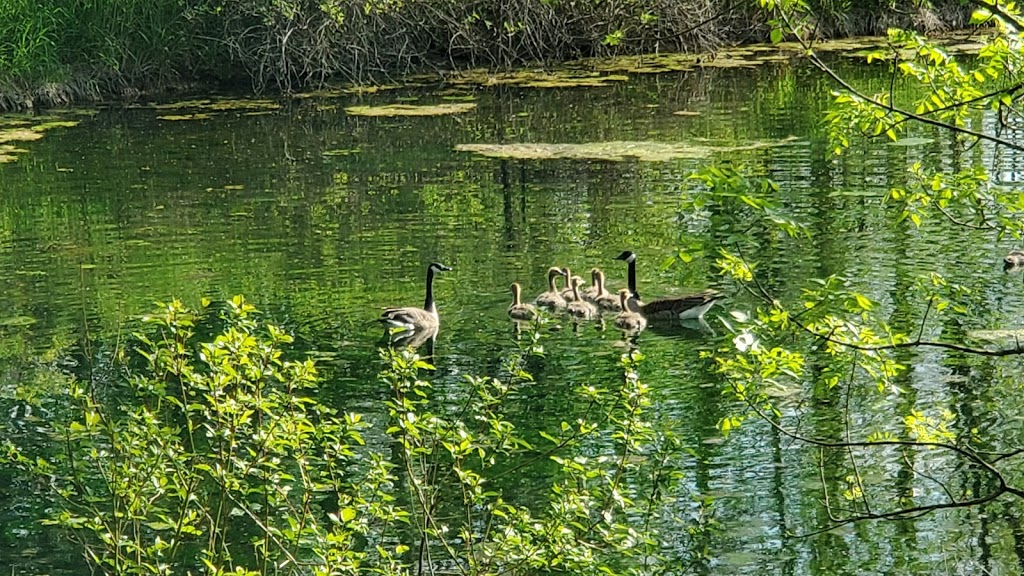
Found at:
[566, 78]
[19, 131]
[411, 110]
[614, 151]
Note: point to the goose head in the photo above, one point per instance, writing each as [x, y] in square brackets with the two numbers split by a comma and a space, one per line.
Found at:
[438, 267]
[553, 272]
[569, 278]
[574, 283]
[627, 256]
[624, 299]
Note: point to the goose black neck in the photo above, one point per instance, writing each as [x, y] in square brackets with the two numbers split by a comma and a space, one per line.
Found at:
[428, 303]
[632, 279]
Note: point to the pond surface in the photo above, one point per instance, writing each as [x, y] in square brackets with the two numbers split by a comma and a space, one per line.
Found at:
[321, 218]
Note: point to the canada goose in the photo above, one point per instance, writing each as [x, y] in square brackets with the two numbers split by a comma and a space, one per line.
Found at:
[590, 294]
[676, 307]
[1014, 260]
[629, 320]
[551, 298]
[567, 293]
[416, 319]
[602, 299]
[518, 310]
[579, 307]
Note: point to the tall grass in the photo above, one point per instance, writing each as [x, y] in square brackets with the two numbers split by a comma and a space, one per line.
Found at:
[28, 48]
[56, 49]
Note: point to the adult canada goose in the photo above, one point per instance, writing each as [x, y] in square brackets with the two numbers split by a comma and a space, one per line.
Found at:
[415, 319]
[579, 307]
[1014, 260]
[676, 307]
[602, 299]
[552, 298]
[629, 320]
[518, 310]
[567, 293]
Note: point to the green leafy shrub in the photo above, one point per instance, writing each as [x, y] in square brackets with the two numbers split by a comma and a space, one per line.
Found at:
[216, 454]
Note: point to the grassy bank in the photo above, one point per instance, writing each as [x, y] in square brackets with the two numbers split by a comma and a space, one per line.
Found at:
[53, 52]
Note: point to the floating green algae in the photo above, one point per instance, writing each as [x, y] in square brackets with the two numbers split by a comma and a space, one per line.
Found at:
[54, 124]
[565, 78]
[411, 110]
[614, 151]
[7, 153]
[184, 117]
[19, 134]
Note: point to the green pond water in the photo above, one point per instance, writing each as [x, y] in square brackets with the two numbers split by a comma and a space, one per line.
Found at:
[321, 218]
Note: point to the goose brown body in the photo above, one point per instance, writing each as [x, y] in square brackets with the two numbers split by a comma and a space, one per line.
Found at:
[628, 319]
[602, 299]
[517, 310]
[578, 307]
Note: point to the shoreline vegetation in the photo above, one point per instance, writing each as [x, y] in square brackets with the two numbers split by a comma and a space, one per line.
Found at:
[53, 53]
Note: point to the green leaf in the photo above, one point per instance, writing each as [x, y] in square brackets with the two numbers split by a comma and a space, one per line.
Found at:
[863, 302]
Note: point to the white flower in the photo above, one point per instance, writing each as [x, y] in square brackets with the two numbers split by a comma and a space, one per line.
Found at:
[744, 341]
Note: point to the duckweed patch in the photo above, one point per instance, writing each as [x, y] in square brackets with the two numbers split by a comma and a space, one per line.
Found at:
[21, 129]
[19, 134]
[411, 110]
[207, 104]
[566, 78]
[7, 153]
[341, 91]
[183, 117]
[55, 124]
[614, 151]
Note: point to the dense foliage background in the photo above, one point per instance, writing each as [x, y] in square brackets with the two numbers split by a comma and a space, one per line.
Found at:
[53, 51]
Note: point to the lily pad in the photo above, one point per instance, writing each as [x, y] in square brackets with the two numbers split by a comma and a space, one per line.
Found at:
[615, 151]
[411, 110]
